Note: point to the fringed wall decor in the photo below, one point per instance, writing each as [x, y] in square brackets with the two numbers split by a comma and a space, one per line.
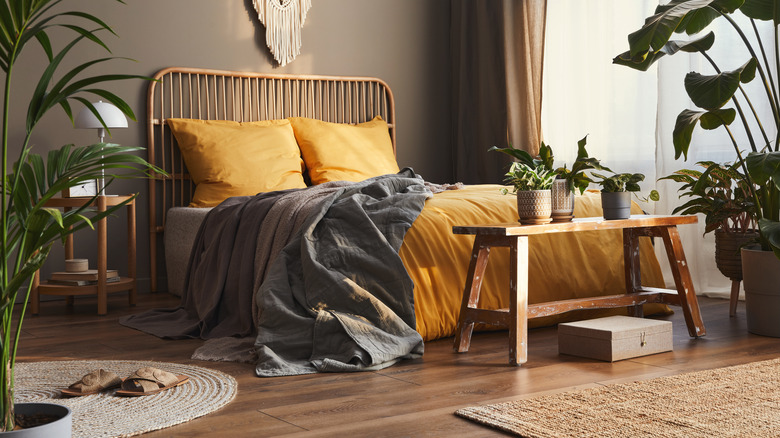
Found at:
[283, 20]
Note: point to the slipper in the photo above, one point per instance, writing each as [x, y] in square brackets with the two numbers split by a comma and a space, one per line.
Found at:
[93, 383]
[148, 380]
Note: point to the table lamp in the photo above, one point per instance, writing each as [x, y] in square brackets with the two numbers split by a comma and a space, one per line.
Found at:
[112, 117]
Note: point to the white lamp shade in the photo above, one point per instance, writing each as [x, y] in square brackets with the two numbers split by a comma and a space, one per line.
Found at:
[112, 116]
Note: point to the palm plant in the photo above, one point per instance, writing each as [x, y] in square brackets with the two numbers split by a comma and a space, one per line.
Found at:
[27, 228]
[711, 92]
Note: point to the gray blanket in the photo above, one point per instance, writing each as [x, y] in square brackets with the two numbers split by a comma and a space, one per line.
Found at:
[322, 263]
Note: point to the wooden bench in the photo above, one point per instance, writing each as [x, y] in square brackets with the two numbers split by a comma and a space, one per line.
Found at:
[515, 237]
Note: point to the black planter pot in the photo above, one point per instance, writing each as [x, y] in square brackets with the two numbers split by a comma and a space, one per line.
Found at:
[616, 205]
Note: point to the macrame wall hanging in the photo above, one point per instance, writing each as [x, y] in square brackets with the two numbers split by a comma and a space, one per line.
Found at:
[283, 20]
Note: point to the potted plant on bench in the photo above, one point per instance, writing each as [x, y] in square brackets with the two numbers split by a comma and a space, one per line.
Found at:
[567, 181]
[532, 187]
[616, 193]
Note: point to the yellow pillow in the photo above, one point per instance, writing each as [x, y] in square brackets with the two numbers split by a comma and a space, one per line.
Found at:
[227, 158]
[342, 152]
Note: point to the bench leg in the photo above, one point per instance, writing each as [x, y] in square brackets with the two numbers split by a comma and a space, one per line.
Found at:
[631, 262]
[477, 265]
[682, 280]
[518, 300]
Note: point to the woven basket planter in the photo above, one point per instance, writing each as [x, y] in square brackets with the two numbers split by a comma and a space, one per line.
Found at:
[534, 207]
[727, 252]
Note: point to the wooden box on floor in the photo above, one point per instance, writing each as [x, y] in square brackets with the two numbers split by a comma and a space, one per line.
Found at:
[614, 338]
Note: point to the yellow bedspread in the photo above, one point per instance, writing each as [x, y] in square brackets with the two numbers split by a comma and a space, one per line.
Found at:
[562, 266]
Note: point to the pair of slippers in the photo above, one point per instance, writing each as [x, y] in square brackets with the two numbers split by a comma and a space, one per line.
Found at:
[145, 381]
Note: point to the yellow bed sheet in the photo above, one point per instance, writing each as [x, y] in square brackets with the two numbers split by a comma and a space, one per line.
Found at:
[562, 266]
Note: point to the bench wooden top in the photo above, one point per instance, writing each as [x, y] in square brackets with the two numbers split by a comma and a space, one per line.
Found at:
[577, 224]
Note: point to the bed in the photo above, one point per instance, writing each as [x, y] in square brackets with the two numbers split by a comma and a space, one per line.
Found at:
[562, 266]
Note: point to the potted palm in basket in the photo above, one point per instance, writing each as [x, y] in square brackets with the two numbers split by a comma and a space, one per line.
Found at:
[27, 228]
[710, 93]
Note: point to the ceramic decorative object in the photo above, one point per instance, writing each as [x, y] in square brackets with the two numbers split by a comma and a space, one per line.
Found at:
[616, 205]
[534, 207]
[761, 278]
[562, 201]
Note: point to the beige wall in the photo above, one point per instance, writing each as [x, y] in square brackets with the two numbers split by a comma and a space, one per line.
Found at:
[404, 42]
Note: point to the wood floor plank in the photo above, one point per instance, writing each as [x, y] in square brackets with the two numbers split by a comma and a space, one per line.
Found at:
[413, 398]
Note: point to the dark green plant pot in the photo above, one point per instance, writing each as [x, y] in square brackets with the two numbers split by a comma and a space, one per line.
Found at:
[761, 278]
[616, 205]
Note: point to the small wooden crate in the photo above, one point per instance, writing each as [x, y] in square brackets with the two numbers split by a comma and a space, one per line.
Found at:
[614, 338]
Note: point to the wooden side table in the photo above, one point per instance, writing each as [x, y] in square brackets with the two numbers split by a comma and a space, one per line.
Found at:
[102, 288]
[516, 317]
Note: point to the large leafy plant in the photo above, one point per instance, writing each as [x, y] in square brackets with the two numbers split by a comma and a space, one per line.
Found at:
[721, 192]
[28, 228]
[710, 93]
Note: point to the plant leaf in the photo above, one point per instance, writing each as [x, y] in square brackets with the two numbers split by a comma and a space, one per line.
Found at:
[657, 30]
[687, 120]
[764, 10]
[713, 91]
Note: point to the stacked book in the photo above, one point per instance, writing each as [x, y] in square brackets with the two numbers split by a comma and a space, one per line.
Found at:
[82, 278]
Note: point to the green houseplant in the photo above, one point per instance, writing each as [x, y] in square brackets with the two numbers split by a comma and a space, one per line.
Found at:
[616, 193]
[722, 193]
[27, 228]
[710, 93]
[567, 181]
[532, 186]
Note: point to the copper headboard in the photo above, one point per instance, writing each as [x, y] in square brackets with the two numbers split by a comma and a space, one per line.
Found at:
[242, 96]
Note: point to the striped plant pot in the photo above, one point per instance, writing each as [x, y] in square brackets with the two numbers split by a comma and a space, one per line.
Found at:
[562, 201]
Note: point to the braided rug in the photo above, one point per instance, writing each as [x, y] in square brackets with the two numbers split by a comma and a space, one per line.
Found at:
[738, 401]
[106, 415]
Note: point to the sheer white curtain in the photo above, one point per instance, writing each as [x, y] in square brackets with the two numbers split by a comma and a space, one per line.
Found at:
[584, 93]
[629, 115]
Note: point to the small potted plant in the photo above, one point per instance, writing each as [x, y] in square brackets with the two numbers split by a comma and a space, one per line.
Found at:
[532, 186]
[567, 181]
[615, 193]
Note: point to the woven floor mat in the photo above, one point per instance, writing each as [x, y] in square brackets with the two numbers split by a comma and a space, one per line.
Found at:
[107, 415]
[738, 401]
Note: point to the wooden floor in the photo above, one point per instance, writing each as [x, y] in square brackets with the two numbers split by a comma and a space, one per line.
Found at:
[413, 398]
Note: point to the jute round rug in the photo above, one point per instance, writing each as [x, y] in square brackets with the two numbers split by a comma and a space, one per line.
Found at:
[738, 401]
[106, 415]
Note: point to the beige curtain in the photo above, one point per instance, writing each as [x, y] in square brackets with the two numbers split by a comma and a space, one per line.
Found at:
[497, 53]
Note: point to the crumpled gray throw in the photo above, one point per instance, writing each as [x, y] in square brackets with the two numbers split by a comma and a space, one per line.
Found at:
[338, 297]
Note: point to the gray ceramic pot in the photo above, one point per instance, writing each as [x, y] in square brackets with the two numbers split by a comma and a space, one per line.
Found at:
[616, 205]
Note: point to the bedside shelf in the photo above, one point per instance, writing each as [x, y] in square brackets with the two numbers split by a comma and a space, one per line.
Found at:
[102, 288]
[124, 283]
